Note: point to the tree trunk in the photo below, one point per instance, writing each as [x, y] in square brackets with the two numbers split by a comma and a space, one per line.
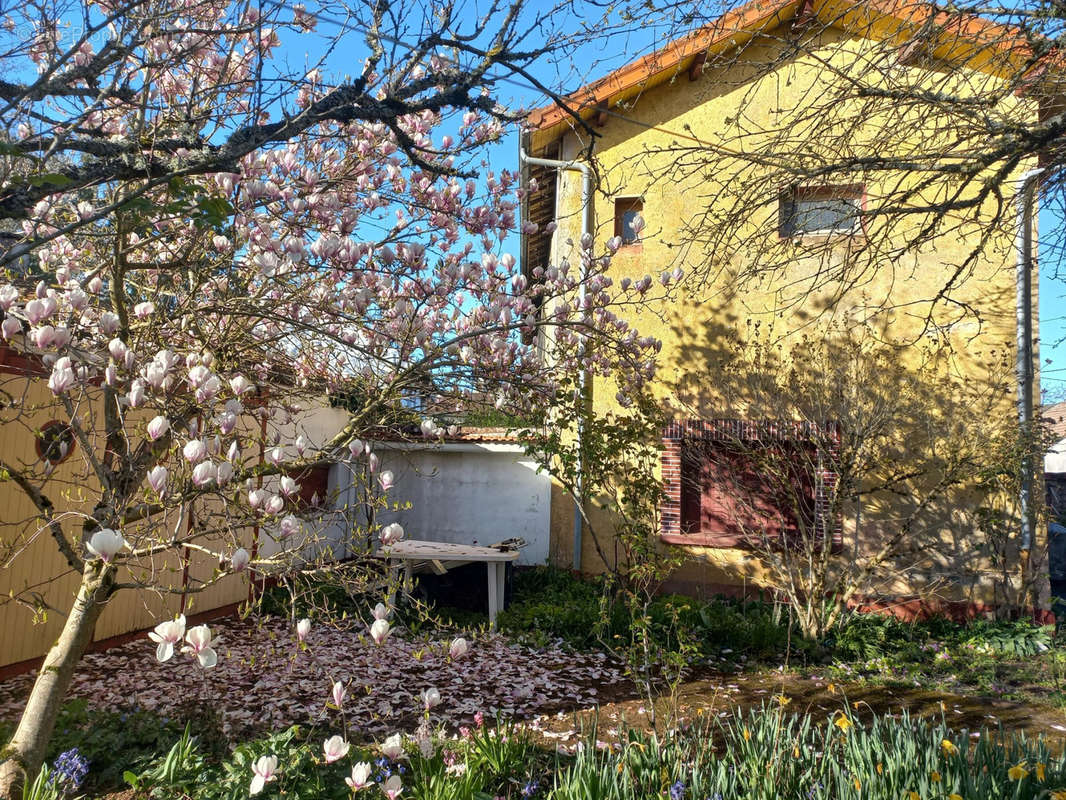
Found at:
[21, 759]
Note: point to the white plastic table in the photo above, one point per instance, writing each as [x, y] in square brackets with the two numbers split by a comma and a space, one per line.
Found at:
[441, 556]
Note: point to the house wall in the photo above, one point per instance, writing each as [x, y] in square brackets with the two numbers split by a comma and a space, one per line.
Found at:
[464, 493]
[699, 326]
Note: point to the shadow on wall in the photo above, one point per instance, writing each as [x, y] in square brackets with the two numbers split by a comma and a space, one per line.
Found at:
[927, 442]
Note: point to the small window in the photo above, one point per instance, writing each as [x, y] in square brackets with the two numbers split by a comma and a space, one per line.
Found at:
[55, 442]
[626, 210]
[820, 211]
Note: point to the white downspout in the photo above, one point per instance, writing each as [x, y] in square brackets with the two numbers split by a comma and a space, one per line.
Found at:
[1024, 279]
[586, 228]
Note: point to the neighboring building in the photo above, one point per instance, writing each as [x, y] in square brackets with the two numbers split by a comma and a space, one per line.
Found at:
[644, 121]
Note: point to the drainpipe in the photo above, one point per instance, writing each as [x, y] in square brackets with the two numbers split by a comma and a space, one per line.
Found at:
[586, 227]
[1025, 186]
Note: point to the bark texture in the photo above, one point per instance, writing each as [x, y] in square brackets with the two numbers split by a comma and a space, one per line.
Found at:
[21, 759]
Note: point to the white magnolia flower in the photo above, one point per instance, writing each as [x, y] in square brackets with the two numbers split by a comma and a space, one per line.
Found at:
[392, 747]
[263, 771]
[105, 543]
[430, 698]
[240, 559]
[335, 748]
[360, 778]
[379, 631]
[303, 627]
[198, 641]
[458, 648]
[166, 635]
[391, 533]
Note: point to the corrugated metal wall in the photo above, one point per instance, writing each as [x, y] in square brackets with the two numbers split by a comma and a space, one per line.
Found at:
[31, 566]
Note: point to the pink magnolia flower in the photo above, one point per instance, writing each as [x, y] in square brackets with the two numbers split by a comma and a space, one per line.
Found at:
[393, 787]
[62, 377]
[391, 533]
[379, 631]
[240, 384]
[303, 627]
[273, 505]
[225, 473]
[158, 427]
[105, 543]
[392, 747]
[289, 487]
[143, 310]
[203, 473]
[458, 648]
[166, 635]
[240, 559]
[136, 394]
[275, 455]
[360, 777]
[430, 698]
[335, 748]
[339, 693]
[355, 447]
[257, 497]
[386, 479]
[289, 525]
[157, 478]
[263, 772]
[381, 611]
[373, 462]
[198, 642]
[10, 327]
[195, 450]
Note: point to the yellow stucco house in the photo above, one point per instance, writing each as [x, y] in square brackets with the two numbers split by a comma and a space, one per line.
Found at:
[796, 161]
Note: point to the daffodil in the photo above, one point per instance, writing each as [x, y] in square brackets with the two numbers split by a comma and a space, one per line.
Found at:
[1017, 772]
[948, 748]
[747, 734]
[1041, 771]
[843, 723]
[858, 784]
[934, 776]
[913, 795]
[954, 796]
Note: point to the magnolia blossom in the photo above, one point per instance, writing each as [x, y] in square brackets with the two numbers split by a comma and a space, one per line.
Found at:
[157, 478]
[289, 525]
[379, 631]
[430, 697]
[256, 497]
[360, 778]
[392, 747]
[142, 310]
[195, 450]
[198, 642]
[391, 533]
[355, 447]
[458, 648]
[167, 634]
[136, 394]
[273, 505]
[393, 787]
[240, 559]
[62, 377]
[381, 611]
[203, 473]
[275, 455]
[158, 427]
[105, 543]
[339, 693]
[263, 771]
[303, 627]
[386, 479]
[289, 487]
[335, 748]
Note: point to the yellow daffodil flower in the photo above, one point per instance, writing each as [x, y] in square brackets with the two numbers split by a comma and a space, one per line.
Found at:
[948, 748]
[843, 723]
[1041, 771]
[934, 776]
[1017, 772]
[913, 795]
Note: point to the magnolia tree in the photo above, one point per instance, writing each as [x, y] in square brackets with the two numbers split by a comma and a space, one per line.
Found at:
[199, 245]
